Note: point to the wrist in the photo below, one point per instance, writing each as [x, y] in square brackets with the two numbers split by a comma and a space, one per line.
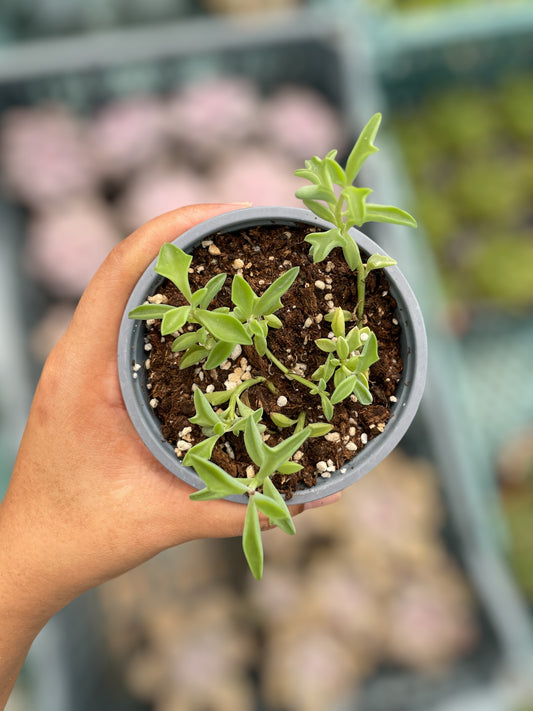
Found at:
[26, 597]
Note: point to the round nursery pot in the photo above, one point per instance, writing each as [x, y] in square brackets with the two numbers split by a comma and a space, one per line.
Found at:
[132, 355]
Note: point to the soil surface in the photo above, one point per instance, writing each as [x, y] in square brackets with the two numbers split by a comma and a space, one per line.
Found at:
[261, 254]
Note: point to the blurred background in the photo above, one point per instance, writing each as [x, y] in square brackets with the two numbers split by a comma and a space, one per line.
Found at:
[414, 593]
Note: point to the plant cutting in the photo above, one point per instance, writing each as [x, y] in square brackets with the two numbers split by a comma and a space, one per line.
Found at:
[272, 349]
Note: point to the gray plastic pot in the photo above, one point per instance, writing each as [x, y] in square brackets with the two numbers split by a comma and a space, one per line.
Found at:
[409, 392]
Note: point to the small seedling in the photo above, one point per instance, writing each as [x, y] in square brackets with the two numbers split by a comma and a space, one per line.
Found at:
[220, 330]
[350, 356]
[333, 197]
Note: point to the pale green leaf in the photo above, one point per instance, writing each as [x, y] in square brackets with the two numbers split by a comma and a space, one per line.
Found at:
[224, 327]
[150, 311]
[326, 345]
[251, 540]
[204, 415]
[388, 213]
[343, 349]
[174, 320]
[361, 391]
[192, 356]
[338, 325]
[369, 354]
[215, 478]
[218, 354]
[379, 261]
[270, 299]
[320, 210]
[355, 212]
[173, 263]
[281, 420]
[319, 429]
[186, 340]
[243, 296]
[213, 286]
[363, 148]
[289, 468]
[344, 389]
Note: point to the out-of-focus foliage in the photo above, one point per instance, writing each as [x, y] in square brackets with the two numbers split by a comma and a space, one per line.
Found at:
[469, 152]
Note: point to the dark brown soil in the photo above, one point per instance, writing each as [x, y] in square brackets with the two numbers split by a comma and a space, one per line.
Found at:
[266, 253]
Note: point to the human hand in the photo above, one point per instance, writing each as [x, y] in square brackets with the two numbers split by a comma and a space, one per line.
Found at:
[87, 501]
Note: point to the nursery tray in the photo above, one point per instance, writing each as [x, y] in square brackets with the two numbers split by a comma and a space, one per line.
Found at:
[87, 71]
[460, 428]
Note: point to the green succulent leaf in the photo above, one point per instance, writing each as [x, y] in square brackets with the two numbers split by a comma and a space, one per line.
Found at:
[251, 540]
[327, 406]
[338, 325]
[316, 192]
[363, 148]
[379, 261]
[270, 507]
[173, 263]
[254, 442]
[243, 296]
[273, 321]
[388, 213]
[289, 468]
[261, 345]
[281, 420]
[319, 429]
[361, 391]
[174, 320]
[348, 316]
[273, 457]
[369, 354]
[323, 242]
[270, 300]
[344, 389]
[355, 213]
[216, 479]
[285, 523]
[343, 349]
[192, 356]
[218, 354]
[213, 286]
[204, 416]
[334, 170]
[326, 345]
[150, 311]
[354, 339]
[203, 449]
[320, 210]
[224, 327]
[191, 338]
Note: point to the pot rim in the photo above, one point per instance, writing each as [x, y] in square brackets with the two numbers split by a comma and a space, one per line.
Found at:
[408, 393]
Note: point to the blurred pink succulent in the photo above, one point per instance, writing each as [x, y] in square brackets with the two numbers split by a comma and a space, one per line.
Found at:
[299, 121]
[210, 115]
[430, 622]
[44, 155]
[65, 246]
[127, 134]
[159, 190]
[257, 175]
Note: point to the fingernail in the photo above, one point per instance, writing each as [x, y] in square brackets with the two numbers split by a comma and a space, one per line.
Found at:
[326, 501]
